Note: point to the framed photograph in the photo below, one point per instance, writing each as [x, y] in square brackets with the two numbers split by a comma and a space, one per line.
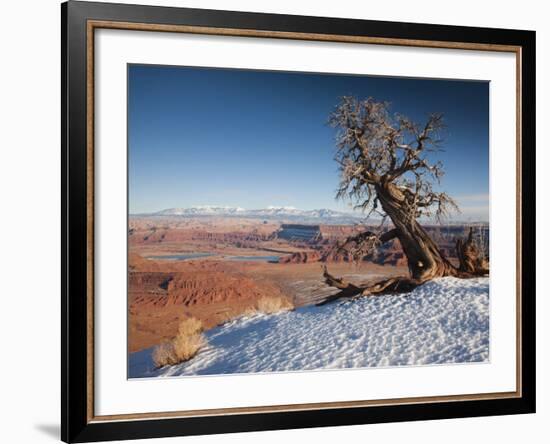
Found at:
[276, 221]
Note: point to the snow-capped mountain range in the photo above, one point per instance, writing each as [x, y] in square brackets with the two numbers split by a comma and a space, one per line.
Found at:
[271, 212]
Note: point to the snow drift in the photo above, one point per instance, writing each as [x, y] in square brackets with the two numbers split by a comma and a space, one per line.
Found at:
[441, 322]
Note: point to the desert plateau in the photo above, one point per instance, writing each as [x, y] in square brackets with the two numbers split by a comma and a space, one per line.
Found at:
[216, 268]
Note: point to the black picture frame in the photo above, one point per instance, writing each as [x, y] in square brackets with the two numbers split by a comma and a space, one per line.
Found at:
[76, 423]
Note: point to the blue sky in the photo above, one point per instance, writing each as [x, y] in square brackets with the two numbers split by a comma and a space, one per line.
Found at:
[203, 136]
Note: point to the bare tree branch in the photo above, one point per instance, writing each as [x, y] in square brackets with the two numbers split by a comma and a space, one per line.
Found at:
[375, 147]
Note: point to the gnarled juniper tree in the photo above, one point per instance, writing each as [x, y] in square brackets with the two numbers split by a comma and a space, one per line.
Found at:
[384, 168]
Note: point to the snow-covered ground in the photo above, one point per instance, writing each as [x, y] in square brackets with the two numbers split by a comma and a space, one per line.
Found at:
[443, 321]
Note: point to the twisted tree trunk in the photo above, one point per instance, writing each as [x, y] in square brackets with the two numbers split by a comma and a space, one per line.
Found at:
[424, 258]
[423, 255]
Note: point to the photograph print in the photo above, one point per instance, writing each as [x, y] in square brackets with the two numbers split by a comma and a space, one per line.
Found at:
[290, 221]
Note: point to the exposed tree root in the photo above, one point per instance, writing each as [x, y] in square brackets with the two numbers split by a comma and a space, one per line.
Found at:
[394, 285]
[471, 264]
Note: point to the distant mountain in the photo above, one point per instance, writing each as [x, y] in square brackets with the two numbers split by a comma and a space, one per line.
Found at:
[269, 213]
[203, 210]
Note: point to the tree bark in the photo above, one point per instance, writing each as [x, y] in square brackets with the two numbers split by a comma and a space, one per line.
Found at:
[423, 255]
[424, 258]
[348, 290]
[469, 257]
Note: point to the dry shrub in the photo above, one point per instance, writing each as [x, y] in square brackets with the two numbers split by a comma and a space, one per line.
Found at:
[183, 347]
[270, 305]
[164, 354]
[186, 347]
[249, 311]
[189, 327]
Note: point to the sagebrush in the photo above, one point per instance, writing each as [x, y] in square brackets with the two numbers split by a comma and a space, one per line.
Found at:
[270, 305]
[183, 347]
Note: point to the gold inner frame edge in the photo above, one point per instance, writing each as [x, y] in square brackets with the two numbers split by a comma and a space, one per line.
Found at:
[98, 24]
